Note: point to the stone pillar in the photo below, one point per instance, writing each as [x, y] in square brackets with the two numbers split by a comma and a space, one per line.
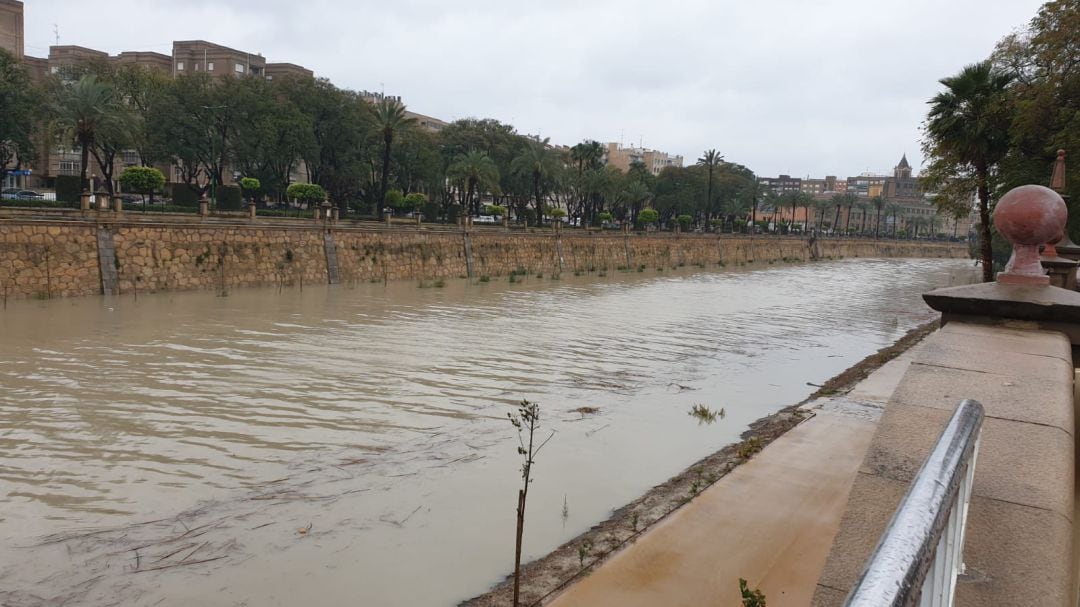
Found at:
[1027, 216]
[251, 210]
[419, 218]
[334, 213]
[1065, 247]
[204, 206]
[102, 198]
[316, 212]
[118, 205]
[506, 220]
[84, 200]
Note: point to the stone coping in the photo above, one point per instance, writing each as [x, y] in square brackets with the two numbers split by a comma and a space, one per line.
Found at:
[1019, 547]
[1018, 302]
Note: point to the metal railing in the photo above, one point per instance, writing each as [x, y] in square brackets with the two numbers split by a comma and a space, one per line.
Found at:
[920, 554]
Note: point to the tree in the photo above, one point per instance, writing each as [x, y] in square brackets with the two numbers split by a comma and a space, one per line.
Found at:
[537, 161]
[390, 120]
[878, 203]
[84, 112]
[711, 160]
[250, 186]
[648, 217]
[478, 173]
[414, 201]
[966, 134]
[143, 181]
[893, 210]
[527, 422]
[394, 199]
[18, 119]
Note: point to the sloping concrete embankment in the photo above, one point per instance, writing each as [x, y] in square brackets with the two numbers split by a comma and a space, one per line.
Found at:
[61, 257]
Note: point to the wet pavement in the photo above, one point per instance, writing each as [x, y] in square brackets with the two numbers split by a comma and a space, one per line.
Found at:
[350, 444]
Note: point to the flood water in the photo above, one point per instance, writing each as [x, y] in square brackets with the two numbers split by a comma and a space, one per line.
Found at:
[349, 444]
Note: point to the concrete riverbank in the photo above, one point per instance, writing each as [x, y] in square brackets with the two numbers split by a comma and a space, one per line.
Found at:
[45, 257]
[769, 517]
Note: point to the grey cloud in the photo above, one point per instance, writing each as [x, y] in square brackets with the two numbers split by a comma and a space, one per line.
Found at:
[828, 87]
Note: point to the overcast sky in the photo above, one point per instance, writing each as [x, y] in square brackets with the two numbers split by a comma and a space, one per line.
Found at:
[783, 86]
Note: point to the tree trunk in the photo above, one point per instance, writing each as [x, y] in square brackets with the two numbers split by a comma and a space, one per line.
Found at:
[877, 225]
[85, 161]
[539, 203]
[985, 245]
[517, 547]
[388, 138]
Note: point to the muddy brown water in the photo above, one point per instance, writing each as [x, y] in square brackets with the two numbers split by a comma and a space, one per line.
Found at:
[349, 444]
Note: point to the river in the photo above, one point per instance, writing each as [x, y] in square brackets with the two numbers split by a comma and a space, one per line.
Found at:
[349, 445]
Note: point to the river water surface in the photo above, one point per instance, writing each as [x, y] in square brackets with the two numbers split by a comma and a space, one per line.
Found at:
[349, 445]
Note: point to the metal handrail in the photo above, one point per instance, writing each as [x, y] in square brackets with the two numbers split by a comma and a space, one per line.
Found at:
[919, 555]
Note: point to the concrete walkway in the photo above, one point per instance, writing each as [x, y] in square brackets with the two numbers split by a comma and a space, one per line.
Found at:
[771, 520]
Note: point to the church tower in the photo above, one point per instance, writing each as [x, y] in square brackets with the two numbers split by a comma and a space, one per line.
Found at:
[903, 170]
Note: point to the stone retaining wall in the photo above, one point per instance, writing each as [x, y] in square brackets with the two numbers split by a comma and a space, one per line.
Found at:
[59, 258]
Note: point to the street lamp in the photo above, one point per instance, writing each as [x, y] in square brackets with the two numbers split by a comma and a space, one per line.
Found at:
[213, 181]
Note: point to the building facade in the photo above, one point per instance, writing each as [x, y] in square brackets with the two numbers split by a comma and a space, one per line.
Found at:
[622, 157]
[11, 27]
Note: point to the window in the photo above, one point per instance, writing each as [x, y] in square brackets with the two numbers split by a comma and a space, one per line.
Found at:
[196, 67]
[69, 167]
[239, 68]
[210, 66]
[179, 66]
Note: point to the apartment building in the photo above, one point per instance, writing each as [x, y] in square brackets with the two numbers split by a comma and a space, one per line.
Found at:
[784, 184]
[622, 157]
[194, 56]
[11, 27]
[285, 70]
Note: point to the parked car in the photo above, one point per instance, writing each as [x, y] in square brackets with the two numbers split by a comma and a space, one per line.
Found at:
[16, 194]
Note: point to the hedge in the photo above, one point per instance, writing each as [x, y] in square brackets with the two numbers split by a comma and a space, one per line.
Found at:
[229, 198]
[184, 195]
[68, 188]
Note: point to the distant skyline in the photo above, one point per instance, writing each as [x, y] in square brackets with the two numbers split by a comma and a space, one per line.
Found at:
[785, 87]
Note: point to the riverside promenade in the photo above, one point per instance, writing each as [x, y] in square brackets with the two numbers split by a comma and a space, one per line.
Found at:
[771, 520]
[802, 519]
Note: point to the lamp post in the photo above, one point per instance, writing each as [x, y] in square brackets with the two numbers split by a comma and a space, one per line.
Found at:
[213, 179]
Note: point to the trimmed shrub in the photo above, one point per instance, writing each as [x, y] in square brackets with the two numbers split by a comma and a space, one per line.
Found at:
[67, 188]
[306, 193]
[647, 216]
[414, 201]
[142, 180]
[394, 199]
[684, 222]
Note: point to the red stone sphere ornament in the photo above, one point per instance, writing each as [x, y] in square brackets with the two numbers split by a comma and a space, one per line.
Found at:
[1029, 216]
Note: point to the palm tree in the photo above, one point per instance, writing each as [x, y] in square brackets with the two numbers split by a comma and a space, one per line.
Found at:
[967, 130]
[84, 112]
[711, 160]
[479, 172]
[863, 206]
[878, 203]
[537, 161]
[390, 119]
[637, 195]
[893, 210]
[734, 208]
